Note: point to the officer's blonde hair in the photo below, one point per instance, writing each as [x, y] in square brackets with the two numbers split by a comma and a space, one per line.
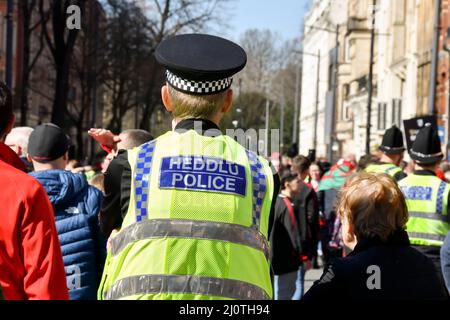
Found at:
[187, 106]
[374, 205]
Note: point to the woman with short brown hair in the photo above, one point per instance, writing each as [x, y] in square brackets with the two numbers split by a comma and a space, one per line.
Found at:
[371, 205]
[382, 264]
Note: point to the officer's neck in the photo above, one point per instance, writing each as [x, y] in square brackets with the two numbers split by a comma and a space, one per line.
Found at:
[176, 121]
[431, 168]
[387, 159]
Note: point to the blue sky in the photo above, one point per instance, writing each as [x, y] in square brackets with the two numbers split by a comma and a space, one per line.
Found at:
[283, 16]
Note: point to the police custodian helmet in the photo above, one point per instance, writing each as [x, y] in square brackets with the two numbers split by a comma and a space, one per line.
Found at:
[426, 148]
[200, 64]
[392, 141]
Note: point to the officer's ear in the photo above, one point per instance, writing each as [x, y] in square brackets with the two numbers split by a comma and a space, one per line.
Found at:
[165, 98]
[228, 101]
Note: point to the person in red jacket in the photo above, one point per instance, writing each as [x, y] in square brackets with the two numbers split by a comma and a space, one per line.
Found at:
[31, 265]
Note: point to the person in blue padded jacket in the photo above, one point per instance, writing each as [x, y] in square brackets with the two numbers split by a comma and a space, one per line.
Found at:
[76, 205]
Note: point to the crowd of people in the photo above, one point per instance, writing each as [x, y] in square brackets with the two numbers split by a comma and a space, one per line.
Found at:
[75, 194]
[195, 215]
[380, 183]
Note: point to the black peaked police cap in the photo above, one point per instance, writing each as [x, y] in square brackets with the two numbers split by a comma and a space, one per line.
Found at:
[392, 141]
[426, 148]
[47, 142]
[200, 64]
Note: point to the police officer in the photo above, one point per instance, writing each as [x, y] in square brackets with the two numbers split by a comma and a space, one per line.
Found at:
[196, 204]
[427, 196]
[393, 150]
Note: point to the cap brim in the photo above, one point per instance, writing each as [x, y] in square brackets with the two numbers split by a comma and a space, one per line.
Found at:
[42, 159]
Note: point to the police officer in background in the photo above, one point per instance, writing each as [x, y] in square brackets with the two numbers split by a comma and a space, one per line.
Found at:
[427, 196]
[196, 204]
[393, 150]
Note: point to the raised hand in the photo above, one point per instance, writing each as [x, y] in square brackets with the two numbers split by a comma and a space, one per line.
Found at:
[104, 137]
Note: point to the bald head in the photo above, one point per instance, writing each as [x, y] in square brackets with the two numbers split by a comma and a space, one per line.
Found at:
[17, 140]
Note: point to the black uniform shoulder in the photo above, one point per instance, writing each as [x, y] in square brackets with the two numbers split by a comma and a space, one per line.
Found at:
[113, 174]
[120, 160]
[399, 176]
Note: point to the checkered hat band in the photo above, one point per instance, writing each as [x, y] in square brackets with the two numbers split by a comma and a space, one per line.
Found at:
[202, 87]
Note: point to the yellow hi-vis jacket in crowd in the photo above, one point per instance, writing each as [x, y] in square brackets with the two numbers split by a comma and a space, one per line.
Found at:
[426, 197]
[387, 168]
[197, 223]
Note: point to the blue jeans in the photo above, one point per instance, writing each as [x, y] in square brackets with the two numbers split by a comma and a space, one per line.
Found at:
[289, 286]
[299, 284]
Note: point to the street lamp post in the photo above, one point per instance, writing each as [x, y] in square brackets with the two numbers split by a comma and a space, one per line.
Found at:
[297, 104]
[266, 138]
[283, 102]
[370, 82]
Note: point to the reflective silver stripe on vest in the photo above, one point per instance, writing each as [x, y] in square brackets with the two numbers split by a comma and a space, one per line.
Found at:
[177, 228]
[428, 215]
[185, 284]
[426, 236]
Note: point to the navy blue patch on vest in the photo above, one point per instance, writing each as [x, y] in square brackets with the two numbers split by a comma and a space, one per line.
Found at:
[417, 193]
[202, 173]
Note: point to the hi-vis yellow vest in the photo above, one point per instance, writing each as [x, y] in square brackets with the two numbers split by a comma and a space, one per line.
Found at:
[426, 197]
[388, 168]
[197, 223]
